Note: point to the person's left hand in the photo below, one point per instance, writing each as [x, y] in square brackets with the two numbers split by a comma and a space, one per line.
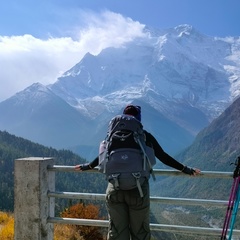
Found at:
[191, 171]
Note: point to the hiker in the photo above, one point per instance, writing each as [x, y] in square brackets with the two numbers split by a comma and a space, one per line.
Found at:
[129, 210]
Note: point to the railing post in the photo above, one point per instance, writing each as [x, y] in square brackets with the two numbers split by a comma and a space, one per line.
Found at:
[32, 181]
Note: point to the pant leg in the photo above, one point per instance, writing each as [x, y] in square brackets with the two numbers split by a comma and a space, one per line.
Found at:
[139, 210]
[118, 214]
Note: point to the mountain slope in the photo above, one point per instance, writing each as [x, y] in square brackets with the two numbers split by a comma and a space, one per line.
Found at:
[217, 145]
[39, 115]
[215, 148]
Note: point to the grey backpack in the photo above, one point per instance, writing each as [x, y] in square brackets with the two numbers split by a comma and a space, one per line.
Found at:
[124, 156]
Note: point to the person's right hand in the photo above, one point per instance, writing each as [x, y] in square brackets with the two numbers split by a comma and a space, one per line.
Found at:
[82, 167]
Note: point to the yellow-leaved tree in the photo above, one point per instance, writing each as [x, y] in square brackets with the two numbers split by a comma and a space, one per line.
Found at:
[78, 232]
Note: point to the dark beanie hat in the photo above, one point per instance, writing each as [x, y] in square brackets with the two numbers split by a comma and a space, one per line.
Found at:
[133, 111]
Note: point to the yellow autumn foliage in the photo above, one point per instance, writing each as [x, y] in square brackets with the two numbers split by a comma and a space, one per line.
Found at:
[61, 232]
[3, 217]
[6, 226]
[64, 232]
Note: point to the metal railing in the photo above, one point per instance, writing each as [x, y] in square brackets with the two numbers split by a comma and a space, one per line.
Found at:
[165, 200]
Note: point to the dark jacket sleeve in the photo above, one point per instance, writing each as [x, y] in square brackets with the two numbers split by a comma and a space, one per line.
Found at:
[161, 154]
[94, 163]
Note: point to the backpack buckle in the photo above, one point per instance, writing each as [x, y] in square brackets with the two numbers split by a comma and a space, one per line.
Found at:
[137, 176]
[115, 179]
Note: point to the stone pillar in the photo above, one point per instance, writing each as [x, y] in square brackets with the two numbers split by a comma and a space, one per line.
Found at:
[32, 207]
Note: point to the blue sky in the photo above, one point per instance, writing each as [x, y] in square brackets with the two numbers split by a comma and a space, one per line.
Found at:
[43, 17]
[41, 39]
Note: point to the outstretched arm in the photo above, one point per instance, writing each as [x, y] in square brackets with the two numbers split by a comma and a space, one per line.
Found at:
[167, 159]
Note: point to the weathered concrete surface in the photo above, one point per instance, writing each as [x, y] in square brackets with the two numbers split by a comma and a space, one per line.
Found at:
[32, 207]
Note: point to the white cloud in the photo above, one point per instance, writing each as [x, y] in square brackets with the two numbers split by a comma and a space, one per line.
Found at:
[25, 59]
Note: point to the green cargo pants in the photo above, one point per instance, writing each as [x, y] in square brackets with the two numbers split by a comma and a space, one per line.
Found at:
[128, 213]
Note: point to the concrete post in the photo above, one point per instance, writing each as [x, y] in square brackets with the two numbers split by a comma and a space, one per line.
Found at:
[32, 207]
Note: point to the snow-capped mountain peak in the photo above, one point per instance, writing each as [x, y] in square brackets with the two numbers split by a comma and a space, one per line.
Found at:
[180, 76]
[178, 64]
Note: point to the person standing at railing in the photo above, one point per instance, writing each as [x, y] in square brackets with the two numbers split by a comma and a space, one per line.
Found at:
[129, 210]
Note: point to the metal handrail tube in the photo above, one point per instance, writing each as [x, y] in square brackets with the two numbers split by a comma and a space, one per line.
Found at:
[75, 195]
[189, 229]
[162, 172]
[165, 200]
[188, 201]
[79, 221]
[153, 226]
[204, 174]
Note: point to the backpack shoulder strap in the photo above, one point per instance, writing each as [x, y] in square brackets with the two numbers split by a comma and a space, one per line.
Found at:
[145, 155]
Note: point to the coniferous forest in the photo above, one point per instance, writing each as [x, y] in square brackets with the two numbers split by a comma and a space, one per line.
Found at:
[12, 147]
